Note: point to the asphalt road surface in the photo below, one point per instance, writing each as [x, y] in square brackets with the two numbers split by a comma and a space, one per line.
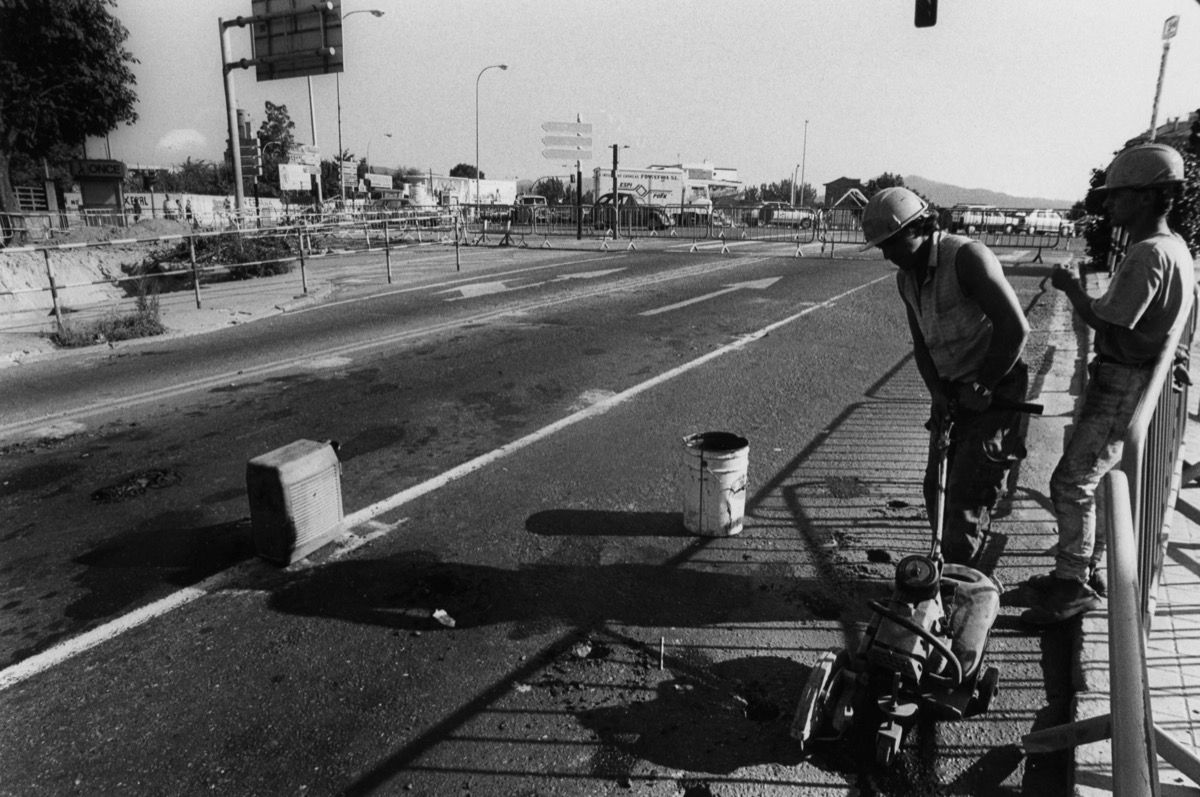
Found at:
[511, 454]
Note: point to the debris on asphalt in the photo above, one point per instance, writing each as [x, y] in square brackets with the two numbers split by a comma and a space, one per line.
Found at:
[879, 556]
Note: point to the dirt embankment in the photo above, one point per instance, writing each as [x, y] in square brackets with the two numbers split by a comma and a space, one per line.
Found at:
[84, 275]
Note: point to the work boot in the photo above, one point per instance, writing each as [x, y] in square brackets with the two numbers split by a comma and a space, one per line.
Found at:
[1096, 581]
[1065, 599]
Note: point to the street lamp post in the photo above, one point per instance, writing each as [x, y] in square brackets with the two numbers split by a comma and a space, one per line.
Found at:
[368, 156]
[375, 12]
[477, 77]
[794, 186]
[803, 157]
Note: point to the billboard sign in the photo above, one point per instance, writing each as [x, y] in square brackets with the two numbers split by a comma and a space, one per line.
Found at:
[296, 38]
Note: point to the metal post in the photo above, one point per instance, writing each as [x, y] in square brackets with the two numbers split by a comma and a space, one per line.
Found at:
[387, 251]
[477, 77]
[53, 291]
[312, 121]
[300, 240]
[578, 201]
[235, 144]
[457, 263]
[341, 177]
[1169, 28]
[803, 158]
[1135, 764]
[616, 210]
[195, 272]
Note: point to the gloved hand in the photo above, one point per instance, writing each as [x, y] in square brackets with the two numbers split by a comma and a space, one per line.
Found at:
[970, 399]
[1062, 277]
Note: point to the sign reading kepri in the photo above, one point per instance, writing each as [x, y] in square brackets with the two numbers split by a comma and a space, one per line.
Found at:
[296, 38]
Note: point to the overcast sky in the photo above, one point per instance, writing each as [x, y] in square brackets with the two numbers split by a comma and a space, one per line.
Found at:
[1020, 96]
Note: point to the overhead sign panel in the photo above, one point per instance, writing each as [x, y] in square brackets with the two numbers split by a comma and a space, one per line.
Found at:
[296, 38]
[572, 141]
[567, 154]
[574, 128]
[567, 141]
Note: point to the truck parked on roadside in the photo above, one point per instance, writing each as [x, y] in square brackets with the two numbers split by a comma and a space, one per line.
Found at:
[687, 202]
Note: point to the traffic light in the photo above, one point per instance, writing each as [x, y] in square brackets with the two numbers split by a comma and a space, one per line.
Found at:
[926, 13]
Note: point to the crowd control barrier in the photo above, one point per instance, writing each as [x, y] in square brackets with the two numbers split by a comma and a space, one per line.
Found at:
[187, 260]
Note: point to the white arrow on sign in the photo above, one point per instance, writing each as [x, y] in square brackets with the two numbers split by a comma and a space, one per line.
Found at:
[579, 154]
[758, 285]
[567, 141]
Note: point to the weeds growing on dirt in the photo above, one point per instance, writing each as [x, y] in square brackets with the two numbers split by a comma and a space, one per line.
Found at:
[145, 321]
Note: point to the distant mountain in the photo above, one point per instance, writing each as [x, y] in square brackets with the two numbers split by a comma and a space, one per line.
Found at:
[946, 195]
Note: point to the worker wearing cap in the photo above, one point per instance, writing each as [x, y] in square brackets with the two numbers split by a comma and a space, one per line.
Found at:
[968, 334]
[1151, 292]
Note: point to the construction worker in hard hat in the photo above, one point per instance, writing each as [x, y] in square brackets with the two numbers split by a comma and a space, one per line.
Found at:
[968, 335]
[1151, 292]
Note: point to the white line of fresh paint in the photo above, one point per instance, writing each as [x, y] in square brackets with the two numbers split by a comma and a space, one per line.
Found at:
[13, 429]
[72, 647]
[67, 649]
[757, 285]
[404, 496]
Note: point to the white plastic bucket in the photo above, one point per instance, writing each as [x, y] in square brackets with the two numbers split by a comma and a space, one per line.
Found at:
[714, 483]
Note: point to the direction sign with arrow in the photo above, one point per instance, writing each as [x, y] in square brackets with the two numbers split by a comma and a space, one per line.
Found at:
[570, 141]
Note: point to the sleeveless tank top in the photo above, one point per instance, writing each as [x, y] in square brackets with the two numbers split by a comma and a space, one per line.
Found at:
[956, 330]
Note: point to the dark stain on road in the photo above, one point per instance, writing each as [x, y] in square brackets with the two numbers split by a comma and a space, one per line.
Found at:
[38, 476]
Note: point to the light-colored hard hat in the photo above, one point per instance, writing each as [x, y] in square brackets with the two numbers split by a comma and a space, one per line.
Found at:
[1145, 166]
[890, 211]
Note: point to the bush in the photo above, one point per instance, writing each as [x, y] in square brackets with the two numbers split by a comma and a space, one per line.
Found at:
[145, 321]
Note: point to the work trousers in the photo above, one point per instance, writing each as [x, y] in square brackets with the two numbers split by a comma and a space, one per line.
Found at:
[983, 447]
[1093, 448]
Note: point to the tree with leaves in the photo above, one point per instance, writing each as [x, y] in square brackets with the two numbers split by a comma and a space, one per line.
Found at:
[276, 136]
[553, 188]
[467, 170]
[885, 180]
[64, 75]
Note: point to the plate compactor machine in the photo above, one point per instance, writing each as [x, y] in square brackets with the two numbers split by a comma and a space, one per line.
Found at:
[923, 648]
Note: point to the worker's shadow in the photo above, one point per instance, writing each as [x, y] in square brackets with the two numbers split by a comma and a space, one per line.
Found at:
[403, 593]
[715, 719]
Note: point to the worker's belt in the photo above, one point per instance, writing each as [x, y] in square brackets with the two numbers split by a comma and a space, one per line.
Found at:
[1104, 359]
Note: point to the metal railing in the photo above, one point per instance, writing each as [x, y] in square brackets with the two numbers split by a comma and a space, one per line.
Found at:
[1133, 511]
[1151, 457]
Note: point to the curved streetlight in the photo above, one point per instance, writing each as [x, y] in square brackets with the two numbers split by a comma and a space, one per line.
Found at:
[375, 12]
[369, 140]
[480, 75]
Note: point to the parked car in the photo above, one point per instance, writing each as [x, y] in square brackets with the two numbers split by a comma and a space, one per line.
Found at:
[1041, 222]
[784, 215]
[529, 208]
[982, 218]
[632, 213]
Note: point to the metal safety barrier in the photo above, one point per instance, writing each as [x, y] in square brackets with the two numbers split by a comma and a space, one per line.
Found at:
[199, 258]
[1133, 514]
[1151, 458]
